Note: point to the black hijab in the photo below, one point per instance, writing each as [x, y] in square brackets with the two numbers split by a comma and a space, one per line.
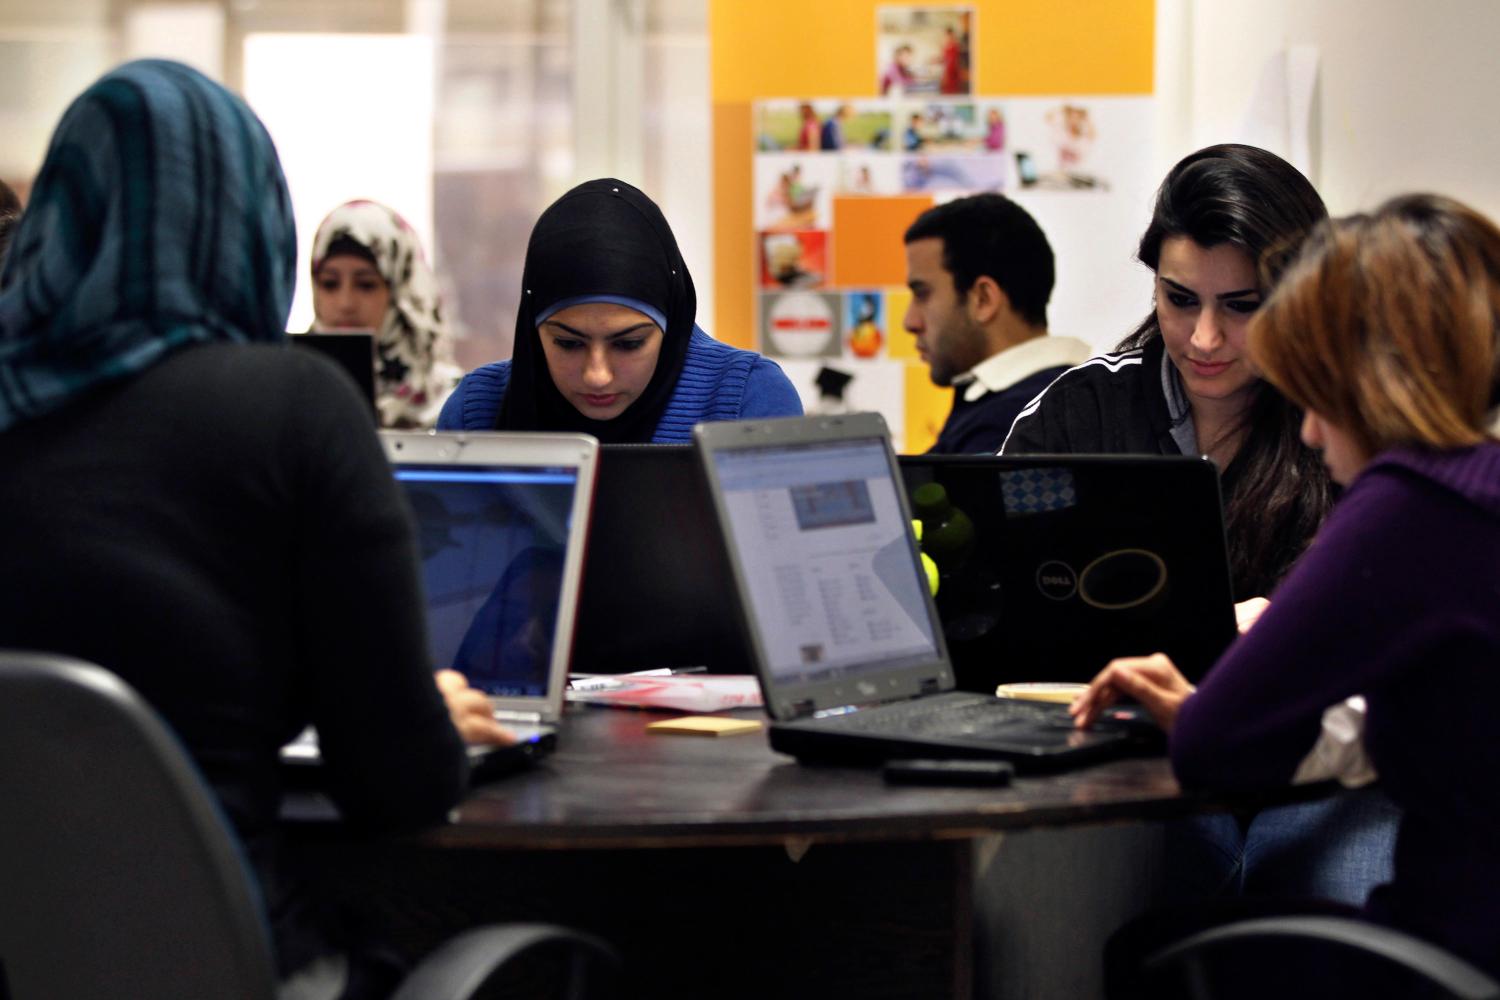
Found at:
[603, 237]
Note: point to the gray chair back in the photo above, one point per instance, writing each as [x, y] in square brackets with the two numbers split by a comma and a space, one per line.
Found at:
[1310, 955]
[118, 874]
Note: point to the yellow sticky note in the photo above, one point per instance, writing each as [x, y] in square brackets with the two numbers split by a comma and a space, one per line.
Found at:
[1057, 692]
[704, 725]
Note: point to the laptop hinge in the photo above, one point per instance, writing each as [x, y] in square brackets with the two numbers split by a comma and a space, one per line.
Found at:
[510, 715]
[931, 685]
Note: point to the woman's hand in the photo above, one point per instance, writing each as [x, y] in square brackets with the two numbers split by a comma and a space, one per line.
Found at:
[1154, 681]
[470, 710]
[1246, 612]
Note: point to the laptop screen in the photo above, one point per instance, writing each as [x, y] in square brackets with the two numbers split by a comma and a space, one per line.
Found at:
[354, 352]
[492, 541]
[818, 531]
[654, 525]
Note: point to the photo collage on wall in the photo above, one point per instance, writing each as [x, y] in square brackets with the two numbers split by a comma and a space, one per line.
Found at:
[922, 135]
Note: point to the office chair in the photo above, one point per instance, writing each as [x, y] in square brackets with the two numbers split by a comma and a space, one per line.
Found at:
[1274, 956]
[120, 878]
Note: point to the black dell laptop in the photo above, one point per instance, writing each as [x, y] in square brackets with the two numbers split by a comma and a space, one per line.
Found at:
[1052, 565]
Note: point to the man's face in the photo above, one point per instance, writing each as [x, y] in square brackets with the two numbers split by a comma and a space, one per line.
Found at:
[948, 339]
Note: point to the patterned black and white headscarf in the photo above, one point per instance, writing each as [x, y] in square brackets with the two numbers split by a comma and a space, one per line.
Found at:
[415, 370]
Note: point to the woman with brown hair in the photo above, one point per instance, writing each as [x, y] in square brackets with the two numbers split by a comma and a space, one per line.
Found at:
[1385, 332]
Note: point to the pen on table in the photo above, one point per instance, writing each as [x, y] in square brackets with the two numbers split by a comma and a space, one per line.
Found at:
[666, 672]
[596, 682]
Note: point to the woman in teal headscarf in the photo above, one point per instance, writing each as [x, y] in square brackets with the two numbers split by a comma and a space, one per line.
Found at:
[195, 507]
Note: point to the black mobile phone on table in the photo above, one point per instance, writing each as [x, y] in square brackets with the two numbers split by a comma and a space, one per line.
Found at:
[992, 773]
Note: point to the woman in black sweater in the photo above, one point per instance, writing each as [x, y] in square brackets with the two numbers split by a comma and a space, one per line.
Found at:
[192, 505]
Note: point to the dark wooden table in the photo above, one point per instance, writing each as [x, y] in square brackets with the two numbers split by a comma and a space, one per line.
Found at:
[722, 869]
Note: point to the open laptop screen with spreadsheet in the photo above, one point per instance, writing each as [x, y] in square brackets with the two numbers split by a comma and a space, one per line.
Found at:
[823, 545]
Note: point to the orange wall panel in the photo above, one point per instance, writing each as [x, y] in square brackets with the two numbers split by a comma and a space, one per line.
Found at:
[734, 227]
[868, 250]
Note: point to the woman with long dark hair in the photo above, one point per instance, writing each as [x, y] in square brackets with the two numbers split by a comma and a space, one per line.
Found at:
[1227, 218]
[1182, 382]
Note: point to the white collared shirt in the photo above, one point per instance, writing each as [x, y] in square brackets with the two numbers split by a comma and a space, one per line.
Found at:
[1001, 371]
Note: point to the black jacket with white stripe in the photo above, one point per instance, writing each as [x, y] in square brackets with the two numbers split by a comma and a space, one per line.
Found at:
[1126, 403]
[1133, 403]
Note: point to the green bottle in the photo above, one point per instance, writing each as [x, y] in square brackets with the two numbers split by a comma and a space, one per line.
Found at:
[947, 532]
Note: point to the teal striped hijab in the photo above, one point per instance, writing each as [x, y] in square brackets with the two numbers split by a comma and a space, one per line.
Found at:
[160, 218]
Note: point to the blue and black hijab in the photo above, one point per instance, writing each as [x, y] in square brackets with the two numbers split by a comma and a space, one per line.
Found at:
[160, 218]
[602, 241]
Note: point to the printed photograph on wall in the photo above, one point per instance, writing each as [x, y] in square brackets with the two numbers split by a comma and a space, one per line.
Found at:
[953, 173]
[869, 173]
[944, 127]
[1057, 147]
[801, 325]
[924, 50]
[794, 191]
[793, 260]
[864, 324]
[821, 126]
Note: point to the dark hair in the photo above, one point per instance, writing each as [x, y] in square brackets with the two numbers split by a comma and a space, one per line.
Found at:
[1387, 325]
[347, 246]
[988, 234]
[10, 214]
[1259, 203]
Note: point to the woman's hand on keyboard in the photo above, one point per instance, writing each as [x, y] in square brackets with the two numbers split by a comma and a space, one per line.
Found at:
[1154, 681]
[470, 710]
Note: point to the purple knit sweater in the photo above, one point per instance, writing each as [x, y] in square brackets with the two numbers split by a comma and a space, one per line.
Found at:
[1398, 599]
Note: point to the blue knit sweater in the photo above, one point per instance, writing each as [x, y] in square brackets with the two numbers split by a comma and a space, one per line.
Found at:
[718, 382]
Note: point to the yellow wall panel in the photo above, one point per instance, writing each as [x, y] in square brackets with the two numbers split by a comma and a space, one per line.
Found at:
[927, 409]
[826, 48]
[1066, 47]
[899, 343]
[791, 48]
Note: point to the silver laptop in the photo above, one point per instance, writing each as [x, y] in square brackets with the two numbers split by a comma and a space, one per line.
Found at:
[501, 521]
[846, 641]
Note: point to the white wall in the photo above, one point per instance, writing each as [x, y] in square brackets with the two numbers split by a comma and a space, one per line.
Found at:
[677, 130]
[1406, 96]
[375, 143]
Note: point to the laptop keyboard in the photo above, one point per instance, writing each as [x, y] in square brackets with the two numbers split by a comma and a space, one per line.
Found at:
[954, 717]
